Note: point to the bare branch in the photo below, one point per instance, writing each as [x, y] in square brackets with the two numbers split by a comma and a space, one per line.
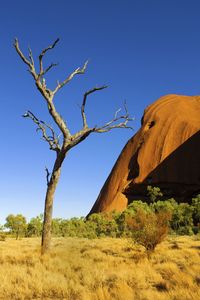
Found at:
[25, 60]
[53, 137]
[43, 53]
[48, 68]
[116, 113]
[70, 77]
[117, 122]
[80, 136]
[40, 82]
[84, 102]
[48, 175]
[30, 63]
[31, 56]
[114, 123]
[52, 140]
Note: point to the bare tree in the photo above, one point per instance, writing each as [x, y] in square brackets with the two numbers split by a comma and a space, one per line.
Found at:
[68, 141]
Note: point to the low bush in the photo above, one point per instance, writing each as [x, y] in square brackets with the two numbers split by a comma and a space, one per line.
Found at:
[2, 237]
[148, 228]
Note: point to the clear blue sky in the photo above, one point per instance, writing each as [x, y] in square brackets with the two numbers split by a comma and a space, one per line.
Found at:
[142, 49]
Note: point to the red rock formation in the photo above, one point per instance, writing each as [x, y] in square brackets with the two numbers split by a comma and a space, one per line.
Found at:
[165, 152]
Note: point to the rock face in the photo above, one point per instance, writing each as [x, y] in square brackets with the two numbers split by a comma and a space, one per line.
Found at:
[165, 152]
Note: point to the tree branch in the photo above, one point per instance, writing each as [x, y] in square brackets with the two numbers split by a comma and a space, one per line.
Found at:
[43, 53]
[114, 123]
[47, 175]
[70, 77]
[84, 103]
[69, 140]
[52, 140]
[48, 68]
[41, 84]
[25, 60]
[30, 63]
[31, 56]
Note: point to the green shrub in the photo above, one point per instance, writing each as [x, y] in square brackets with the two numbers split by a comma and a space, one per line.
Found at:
[103, 224]
[166, 205]
[74, 227]
[196, 210]
[16, 224]
[182, 221]
[127, 214]
[34, 227]
[148, 228]
[154, 193]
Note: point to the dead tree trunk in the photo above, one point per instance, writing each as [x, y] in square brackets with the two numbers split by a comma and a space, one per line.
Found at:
[68, 140]
[51, 188]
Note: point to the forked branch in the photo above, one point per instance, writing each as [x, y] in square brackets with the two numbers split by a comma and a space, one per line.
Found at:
[37, 76]
[53, 139]
[70, 77]
[41, 57]
[115, 122]
[30, 55]
[69, 141]
[48, 68]
[25, 60]
[84, 102]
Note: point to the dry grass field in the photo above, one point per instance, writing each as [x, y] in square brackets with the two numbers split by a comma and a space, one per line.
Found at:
[101, 269]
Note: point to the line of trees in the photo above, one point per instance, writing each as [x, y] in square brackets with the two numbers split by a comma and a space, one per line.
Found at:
[182, 219]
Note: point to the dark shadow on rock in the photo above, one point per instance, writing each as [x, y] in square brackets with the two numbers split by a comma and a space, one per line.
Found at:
[178, 175]
[133, 167]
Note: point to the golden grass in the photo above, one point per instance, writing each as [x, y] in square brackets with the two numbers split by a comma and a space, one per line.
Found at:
[101, 269]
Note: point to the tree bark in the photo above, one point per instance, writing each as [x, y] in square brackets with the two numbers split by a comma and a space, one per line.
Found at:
[48, 210]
